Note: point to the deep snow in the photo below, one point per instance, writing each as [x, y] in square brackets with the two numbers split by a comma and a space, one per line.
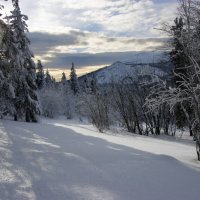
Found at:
[61, 160]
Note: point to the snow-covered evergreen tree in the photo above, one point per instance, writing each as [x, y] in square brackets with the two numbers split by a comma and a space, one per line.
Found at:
[63, 79]
[86, 84]
[7, 93]
[48, 80]
[93, 85]
[23, 76]
[67, 97]
[2, 93]
[53, 80]
[2, 77]
[73, 80]
[40, 75]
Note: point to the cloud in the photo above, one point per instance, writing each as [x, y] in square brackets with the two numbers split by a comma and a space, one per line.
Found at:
[63, 61]
[62, 31]
[135, 18]
[44, 42]
[119, 17]
[86, 62]
[49, 41]
[110, 18]
[85, 47]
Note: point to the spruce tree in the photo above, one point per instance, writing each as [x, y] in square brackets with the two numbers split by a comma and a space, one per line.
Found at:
[26, 101]
[49, 82]
[177, 55]
[73, 80]
[63, 79]
[7, 92]
[94, 85]
[40, 75]
[179, 58]
[53, 81]
[2, 67]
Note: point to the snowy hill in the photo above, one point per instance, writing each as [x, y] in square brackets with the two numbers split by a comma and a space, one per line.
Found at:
[65, 160]
[121, 70]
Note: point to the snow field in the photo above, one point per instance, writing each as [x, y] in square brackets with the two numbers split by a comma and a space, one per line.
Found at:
[58, 159]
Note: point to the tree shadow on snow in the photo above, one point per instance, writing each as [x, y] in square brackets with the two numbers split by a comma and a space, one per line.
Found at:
[47, 162]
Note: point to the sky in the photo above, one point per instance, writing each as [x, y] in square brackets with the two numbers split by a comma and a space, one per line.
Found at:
[94, 33]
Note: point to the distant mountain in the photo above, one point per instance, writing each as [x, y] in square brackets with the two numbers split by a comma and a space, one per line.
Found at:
[118, 71]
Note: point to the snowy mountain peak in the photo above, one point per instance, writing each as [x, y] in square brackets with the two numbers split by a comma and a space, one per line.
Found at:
[120, 70]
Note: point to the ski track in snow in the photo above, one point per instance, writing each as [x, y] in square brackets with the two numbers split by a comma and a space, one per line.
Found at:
[61, 160]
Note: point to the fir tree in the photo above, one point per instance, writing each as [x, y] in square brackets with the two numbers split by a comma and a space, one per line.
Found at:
[177, 55]
[7, 92]
[86, 82]
[73, 80]
[48, 80]
[40, 75]
[53, 81]
[93, 85]
[63, 78]
[26, 101]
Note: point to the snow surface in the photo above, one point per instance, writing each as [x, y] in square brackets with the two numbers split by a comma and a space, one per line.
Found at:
[119, 70]
[61, 160]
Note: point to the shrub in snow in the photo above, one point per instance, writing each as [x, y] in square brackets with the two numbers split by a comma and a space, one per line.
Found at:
[50, 102]
[97, 110]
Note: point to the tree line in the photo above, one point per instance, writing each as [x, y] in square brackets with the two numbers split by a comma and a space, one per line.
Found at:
[23, 84]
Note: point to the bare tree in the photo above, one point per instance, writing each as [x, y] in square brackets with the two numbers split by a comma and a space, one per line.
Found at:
[186, 91]
[97, 109]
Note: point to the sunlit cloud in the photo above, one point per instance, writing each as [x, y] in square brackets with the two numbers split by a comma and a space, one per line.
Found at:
[84, 42]
[61, 28]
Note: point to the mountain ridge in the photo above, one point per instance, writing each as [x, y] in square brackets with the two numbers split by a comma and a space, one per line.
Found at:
[120, 70]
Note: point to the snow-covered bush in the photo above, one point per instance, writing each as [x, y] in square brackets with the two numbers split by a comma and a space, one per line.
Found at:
[51, 102]
[97, 109]
[57, 100]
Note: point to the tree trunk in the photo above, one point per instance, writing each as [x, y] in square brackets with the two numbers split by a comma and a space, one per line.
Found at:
[15, 117]
[27, 116]
[191, 132]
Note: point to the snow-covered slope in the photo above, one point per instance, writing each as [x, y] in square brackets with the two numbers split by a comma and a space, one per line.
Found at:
[121, 70]
[64, 160]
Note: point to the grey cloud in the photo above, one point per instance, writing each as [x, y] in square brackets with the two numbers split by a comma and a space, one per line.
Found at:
[78, 33]
[42, 42]
[82, 60]
[111, 39]
[147, 40]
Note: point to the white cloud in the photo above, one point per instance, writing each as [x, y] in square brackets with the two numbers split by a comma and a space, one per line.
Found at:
[105, 25]
[111, 17]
